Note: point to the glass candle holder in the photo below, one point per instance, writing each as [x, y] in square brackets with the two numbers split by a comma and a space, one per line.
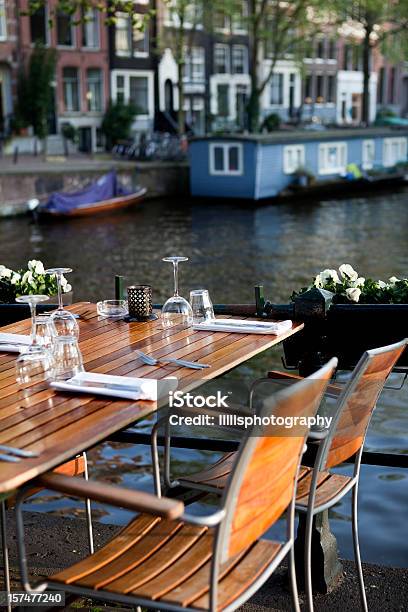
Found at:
[140, 304]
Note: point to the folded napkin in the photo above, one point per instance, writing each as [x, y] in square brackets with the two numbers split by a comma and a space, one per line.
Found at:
[13, 343]
[242, 326]
[118, 386]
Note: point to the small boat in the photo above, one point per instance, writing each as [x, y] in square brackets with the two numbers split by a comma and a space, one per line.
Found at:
[104, 195]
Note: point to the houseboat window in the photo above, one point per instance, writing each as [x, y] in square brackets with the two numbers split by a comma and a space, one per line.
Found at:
[293, 158]
[3, 22]
[226, 159]
[221, 59]
[368, 154]
[277, 89]
[394, 151]
[332, 157]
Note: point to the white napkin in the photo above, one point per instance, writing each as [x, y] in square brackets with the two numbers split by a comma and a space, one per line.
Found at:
[242, 326]
[118, 386]
[13, 343]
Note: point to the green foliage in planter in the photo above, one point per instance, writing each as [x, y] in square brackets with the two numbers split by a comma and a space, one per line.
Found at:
[29, 280]
[350, 288]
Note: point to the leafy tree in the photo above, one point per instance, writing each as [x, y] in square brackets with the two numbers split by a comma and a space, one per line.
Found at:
[117, 122]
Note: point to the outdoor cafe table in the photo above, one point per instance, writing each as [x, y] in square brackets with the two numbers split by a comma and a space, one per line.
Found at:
[61, 425]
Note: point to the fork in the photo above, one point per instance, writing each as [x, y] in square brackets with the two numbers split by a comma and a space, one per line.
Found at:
[187, 364]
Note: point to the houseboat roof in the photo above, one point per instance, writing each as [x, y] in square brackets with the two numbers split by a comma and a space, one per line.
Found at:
[287, 136]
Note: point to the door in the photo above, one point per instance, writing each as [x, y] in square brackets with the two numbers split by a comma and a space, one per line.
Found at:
[292, 94]
[240, 106]
[85, 139]
[168, 96]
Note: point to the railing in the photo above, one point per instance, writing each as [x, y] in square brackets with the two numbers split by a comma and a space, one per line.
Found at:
[155, 147]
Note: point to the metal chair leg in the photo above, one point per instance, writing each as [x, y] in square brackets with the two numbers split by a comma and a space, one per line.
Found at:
[308, 561]
[293, 581]
[357, 557]
[6, 568]
[88, 510]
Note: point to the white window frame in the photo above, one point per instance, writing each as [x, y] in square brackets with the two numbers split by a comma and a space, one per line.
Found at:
[3, 20]
[280, 76]
[73, 34]
[367, 154]
[389, 144]
[92, 24]
[323, 153]
[236, 29]
[89, 91]
[293, 158]
[194, 65]
[126, 74]
[226, 146]
[226, 49]
[67, 93]
[244, 50]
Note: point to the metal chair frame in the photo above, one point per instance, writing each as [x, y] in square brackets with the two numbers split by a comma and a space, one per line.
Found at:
[221, 520]
[4, 544]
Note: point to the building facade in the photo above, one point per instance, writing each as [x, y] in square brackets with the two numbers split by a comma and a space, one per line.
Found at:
[9, 60]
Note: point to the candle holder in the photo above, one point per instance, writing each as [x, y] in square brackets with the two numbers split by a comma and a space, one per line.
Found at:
[140, 304]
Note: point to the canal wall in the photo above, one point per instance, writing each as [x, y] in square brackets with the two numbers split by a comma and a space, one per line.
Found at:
[32, 178]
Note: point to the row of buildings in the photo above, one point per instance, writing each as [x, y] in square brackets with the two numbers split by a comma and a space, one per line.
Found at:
[96, 63]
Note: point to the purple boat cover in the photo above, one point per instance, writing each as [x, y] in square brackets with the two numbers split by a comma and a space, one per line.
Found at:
[105, 188]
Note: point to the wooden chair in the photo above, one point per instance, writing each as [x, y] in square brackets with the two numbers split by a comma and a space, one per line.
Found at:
[75, 467]
[170, 560]
[319, 489]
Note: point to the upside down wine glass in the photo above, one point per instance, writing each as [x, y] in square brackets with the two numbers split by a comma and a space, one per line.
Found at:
[64, 321]
[34, 364]
[176, 311]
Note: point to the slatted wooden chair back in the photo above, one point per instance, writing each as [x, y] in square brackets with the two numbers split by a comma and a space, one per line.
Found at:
[358, 401]
[261, 485]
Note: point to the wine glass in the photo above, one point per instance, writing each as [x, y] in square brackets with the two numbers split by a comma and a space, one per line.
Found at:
[176, 311]
[68, 358]
[64, 321]
[35, 362]
[201, 306]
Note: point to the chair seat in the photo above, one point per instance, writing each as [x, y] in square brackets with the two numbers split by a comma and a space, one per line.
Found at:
[168, 561]
[329, 485]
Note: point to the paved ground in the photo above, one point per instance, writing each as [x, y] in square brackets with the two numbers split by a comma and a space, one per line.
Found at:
[56, 542]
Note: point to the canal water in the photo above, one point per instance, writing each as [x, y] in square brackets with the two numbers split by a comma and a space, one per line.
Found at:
[232, 248]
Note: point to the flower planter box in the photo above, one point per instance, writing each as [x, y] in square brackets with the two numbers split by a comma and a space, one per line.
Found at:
[346, 332]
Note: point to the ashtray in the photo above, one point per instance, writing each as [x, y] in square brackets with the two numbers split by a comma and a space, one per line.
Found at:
[112, 309]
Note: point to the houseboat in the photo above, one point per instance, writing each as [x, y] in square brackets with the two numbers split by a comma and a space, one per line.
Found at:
[293, 162]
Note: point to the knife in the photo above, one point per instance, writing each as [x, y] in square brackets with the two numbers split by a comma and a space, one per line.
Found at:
[102, 385]
[18, 451]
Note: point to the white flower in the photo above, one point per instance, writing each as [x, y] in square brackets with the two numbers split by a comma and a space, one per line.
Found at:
[5, 272]
[359, 282]
[393, 280]
[67, 288]
[36, 266]
[381, 284]
[27, 277]
[326, 276]
[353, 294]
[15, 278]
[348, 273]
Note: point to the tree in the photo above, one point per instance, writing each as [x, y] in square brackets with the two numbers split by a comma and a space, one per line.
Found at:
[117, 122]
[378, 23]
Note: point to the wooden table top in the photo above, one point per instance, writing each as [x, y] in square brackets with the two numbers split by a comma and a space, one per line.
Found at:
[59, 425]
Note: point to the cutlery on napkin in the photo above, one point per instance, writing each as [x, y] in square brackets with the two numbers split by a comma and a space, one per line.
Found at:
[244, 326]
[13, 343]
[125, 387]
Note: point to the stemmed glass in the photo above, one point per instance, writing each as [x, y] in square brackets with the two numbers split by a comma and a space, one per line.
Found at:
[64, 321]
[35, 362]
[177, 310]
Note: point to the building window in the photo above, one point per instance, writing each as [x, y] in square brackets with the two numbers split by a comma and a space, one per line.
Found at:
[90, 29]
[332, 158]
[70, 83]
[226, 159]
[293, 158]
[3, 20]
[223, 100]
[140, 40]
[221, 59]
[320, 89]
[38, 26]
[194, 66]
[394, 151]
[240, 18]
[276, 98]
[123, 44]
[391, 86]
[308, 89]
[331, 88]
[368, 154]
[222, 21]
[120, 88]
[332, 49]
[139, 94]
[65, 30]
[239, 59]
[94, 89]
[320, 48]
[348, 58]
[381, 84]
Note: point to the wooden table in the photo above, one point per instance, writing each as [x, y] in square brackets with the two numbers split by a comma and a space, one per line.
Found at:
[60, 425]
